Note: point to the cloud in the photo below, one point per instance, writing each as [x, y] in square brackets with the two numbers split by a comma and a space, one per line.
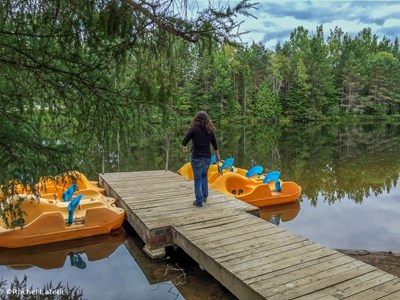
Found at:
[277, 19]
[391, 32]
[277, 35]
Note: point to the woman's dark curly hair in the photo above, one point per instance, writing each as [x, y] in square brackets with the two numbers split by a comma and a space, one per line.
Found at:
[203, 121]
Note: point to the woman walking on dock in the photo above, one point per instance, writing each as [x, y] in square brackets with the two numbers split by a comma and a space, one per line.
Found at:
[202, 134]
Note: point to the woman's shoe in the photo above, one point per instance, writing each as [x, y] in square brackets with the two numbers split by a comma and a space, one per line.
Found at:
[197, 204]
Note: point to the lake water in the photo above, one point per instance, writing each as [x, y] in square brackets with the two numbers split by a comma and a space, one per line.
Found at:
[104, 267]
[349, 175]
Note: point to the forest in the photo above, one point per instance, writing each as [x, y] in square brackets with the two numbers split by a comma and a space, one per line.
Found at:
[76, 73]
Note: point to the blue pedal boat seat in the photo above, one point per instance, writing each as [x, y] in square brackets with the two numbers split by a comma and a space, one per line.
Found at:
[273, 176]
[67, 195]
[71, 208]
[256, 170]
[228, 163]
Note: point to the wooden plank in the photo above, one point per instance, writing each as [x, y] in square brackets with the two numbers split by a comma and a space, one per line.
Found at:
[224, 229]
[187, 210]
[393, 296]
[229, 280]
[160, 202]
[137, 224]
[215, 208]
[264, 269]
[132, 195]
[274, 279]
[318, 282]
[379, 291]
[192, 219]
[251, 257]
[240, 239]
[273, 261]
[163, 208]
[136, 193]
[310, 284]
[270, 235]
[234, 233]
[275, 255]
[189, 198]
[355, 285]
[214, 224]
[140, 183]
[223, 252]
[139, 188]
[303, 268]
[154, 185]
[136, 174]
[168, 209]
[263, 250]
[190, 213]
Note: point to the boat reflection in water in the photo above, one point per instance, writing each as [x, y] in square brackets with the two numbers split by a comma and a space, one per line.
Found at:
[282, 212]
[54, 256]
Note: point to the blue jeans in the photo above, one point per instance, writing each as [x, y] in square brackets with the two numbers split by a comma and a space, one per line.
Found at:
[200, 169]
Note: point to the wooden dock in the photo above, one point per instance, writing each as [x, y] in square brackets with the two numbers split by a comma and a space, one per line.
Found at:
[252, 258]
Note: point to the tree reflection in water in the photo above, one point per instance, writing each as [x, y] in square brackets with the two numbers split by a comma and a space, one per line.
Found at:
[338, 161]
[329, 161]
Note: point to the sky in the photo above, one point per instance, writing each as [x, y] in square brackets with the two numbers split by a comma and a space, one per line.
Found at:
[277, 19]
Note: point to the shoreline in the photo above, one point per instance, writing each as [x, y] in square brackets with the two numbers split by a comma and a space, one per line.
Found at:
[387, 261]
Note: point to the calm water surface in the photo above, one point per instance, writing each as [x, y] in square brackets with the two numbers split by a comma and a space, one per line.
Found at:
[349, 176]
[105, 267]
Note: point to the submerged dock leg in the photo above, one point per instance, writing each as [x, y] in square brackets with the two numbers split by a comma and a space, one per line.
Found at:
[154, 253]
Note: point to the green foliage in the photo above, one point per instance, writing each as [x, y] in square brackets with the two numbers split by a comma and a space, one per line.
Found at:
[80, 71]
[384, 91]
[298, 100]
[77, 73]
[280, 70]
[354, 81]
[11, 213]
[267, 105]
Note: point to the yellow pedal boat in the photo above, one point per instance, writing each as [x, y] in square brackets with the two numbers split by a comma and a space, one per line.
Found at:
[224, 167]
[53, 188]
[51, 191]
[95, 248]
[71, 177]
[46, 221]
[187, 172]
[281, 212]
[256, 192]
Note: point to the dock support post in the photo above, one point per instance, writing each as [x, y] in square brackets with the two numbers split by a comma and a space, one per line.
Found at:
[154, 253]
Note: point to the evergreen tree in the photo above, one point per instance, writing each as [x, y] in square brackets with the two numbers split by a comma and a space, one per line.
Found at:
[321, 76]
[396, 48]
[221, 92]
[245, 86]
[352, 100]
[267, 106]
[279, 71]
[384, 89]
[298, 100]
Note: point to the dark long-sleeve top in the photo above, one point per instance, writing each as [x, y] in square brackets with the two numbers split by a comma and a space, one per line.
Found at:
[201, 141]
